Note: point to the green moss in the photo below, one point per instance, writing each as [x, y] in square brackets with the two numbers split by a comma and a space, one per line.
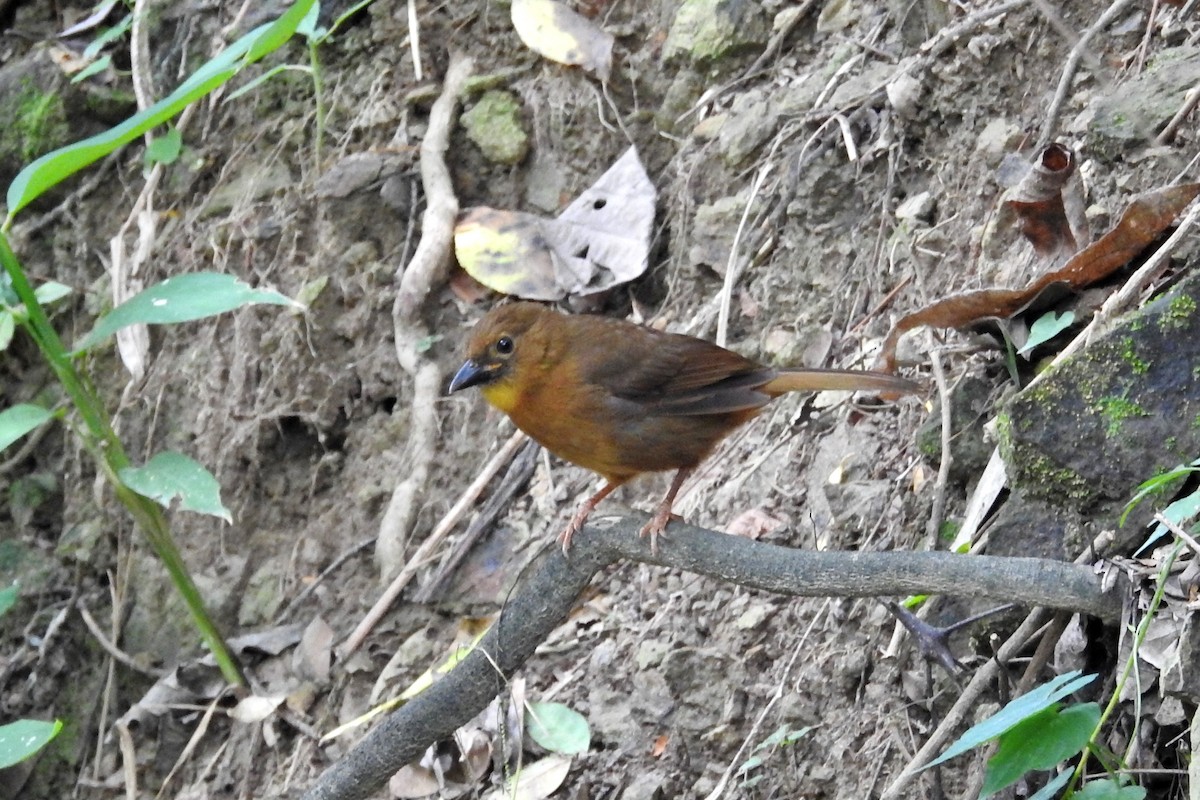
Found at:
[1116, 410]
[1180, 310]
[1129, 352]
[495, 125]
[1050, 480]
[35, 124]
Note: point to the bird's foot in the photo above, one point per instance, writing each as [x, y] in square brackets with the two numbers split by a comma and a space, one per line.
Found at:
[657, 525]
[573, 527]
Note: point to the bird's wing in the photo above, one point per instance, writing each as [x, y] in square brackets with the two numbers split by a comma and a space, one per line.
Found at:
[684, 376]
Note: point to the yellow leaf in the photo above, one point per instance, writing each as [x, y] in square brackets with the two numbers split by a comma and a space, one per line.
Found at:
[550, 29]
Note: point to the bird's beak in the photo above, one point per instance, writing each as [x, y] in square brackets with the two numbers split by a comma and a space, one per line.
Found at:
[471, 373]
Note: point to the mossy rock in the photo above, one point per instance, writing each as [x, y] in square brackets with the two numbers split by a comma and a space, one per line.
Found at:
[1121, 411]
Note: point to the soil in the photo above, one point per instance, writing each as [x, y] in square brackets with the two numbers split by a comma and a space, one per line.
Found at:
[306, 419]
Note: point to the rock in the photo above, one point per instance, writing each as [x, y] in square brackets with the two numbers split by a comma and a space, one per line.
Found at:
[1027, 526]
[714, 226]
[750, 122]
[1124, 409]
[1181, 679]
[970, 401]
[710, 29]
[917, 209]
[998, 138]
[837, 16]
[679, 99]
[43, 110]
[1131, 111]
[648, 786]
[494, 124]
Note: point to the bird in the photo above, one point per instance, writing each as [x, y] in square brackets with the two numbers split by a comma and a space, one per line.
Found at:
[622, 399]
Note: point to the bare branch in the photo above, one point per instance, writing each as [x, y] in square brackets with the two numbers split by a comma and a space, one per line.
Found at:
[546, 598]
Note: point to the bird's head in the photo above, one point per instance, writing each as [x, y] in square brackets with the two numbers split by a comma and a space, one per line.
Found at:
[494, 351]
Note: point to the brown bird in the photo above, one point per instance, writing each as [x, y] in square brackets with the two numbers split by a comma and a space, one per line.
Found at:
[622, 399]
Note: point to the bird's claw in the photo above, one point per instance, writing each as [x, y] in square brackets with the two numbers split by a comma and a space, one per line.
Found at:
[573, 527]
[656, 527]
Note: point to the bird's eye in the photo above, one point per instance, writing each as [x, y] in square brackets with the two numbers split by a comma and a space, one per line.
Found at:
[504, 345]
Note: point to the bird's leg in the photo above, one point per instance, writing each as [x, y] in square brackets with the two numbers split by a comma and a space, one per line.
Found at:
[662, 514]
[583, 513]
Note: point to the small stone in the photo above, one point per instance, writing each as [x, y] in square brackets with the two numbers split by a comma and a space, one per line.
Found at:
[918, 208]
[904, 95]
[494, 124]
[998, 137]
[751, 122]
[710, 29]
[752, 617]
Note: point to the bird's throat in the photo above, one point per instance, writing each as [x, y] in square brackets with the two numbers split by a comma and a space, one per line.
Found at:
[501, 394]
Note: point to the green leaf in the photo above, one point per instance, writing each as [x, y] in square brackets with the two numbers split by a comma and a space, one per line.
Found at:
[1012, 714]
[1179, 512]
[19, 420]
[165, 149]
[21, 739]
[559, 729]
[187, 297]
[266, 76]
[8, 326]
[56, 166]
[753, 762]
[99, 65]
[347, 14]
[170, 475]
[108, 37]
[1109, 789]
[783, 736]
[308, 26]
[1156, 485]
[1050, 790]
[1040, 742]
[8, 598]
[50, 291]
[1046, 328]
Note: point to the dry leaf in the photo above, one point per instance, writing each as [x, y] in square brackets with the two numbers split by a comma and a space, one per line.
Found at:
[256, 708]
[1037, 202]
[753, 523]
[535, 781]
[550, 29]
[660, 746]
[314, 656]
[1147, 216]
[599, 241]
[412, 781]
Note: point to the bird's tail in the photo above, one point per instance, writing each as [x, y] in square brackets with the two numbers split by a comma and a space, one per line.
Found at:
[820, 380]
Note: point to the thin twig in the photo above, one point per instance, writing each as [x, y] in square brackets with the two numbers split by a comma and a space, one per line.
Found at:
[425, 551]
[732, 272]
[345, 556]
[1066, 80]
[1190, 100]
[937, 511]
[964, 706]
[780, 685]
[414, 41]
[117, 653]
[517, 476]
[427, 269]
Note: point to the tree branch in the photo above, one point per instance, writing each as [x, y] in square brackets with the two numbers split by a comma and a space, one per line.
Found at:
[543, 602]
